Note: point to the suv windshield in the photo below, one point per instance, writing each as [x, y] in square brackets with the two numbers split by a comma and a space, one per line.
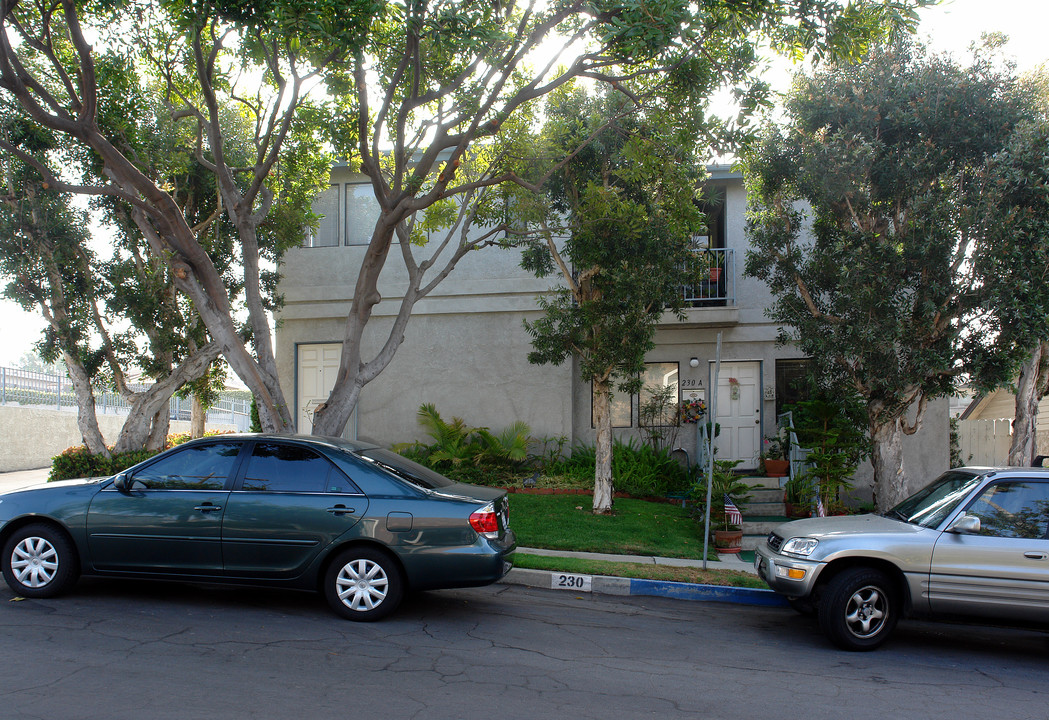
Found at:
[932, 504]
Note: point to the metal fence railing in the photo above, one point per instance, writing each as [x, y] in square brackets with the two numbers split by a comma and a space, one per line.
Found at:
[55, 392]
[714, 270]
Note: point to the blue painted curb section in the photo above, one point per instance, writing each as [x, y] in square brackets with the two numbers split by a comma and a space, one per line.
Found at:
[709, 593]
[605, 585]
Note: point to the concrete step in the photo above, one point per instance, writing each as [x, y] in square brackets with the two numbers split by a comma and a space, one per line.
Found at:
[765, 509]
[750, 542]
[761, 527]
[761, 481]
[766, 495]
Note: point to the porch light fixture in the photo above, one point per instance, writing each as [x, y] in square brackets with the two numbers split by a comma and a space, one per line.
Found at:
[694, 362]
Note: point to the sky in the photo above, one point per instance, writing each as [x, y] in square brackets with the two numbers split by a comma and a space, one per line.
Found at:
[951, 26]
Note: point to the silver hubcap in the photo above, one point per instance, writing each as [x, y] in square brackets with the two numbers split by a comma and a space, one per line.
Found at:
[362, 585]
[866, 611]
[34, 562]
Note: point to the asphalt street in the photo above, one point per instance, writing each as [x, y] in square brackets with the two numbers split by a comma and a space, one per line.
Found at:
[125, 649]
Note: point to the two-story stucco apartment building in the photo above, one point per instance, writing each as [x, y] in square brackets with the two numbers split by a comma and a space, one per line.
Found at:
[465, 348]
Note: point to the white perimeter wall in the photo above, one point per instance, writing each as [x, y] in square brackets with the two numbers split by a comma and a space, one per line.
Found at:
[30, 437]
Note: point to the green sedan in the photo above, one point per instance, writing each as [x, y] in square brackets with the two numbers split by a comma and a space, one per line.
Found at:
[358, 523]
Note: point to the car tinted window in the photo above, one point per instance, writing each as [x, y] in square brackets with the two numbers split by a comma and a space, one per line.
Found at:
[200, 467]
[276, 467]
[407, 469]
[1013, 509]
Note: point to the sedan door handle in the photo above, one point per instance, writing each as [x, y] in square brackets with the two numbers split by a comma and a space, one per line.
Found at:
[1035, 555]
[208, 507]
[340, 510]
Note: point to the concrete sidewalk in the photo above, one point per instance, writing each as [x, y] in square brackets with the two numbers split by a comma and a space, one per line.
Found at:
[21, 478]
[601, 584]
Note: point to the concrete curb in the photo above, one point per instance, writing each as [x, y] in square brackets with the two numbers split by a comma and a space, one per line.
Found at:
[606, 585]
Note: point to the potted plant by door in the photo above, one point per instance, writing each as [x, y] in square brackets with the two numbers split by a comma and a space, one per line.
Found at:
[774, 456]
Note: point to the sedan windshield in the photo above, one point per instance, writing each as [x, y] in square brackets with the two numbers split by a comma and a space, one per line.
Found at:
[932, 504]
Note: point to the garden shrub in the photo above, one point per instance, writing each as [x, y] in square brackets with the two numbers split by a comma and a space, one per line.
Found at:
[77, 462]
[469, 454]
[638, 469]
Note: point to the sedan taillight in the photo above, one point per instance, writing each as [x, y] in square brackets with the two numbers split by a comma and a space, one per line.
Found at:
[486, 521]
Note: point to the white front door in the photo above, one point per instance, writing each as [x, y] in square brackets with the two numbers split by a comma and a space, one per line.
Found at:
[739, 412]
[318, 366]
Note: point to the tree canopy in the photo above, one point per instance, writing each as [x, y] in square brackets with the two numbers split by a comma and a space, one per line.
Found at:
[870, 226]
[615, 223]
[426, 99]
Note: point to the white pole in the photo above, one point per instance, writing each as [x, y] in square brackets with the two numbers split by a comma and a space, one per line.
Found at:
[713, 408]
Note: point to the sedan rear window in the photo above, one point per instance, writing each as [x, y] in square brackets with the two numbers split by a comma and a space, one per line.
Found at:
[406, 469]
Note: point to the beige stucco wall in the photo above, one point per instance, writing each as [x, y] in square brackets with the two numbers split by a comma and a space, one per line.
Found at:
[465, 349]
[30, 437]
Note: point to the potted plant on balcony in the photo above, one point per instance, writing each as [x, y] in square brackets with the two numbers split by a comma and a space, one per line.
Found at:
[715, 265]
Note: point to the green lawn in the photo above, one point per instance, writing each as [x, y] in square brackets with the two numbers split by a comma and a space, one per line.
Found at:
[565, 522]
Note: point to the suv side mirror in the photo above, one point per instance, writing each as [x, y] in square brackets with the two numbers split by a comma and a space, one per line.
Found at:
[965, 524]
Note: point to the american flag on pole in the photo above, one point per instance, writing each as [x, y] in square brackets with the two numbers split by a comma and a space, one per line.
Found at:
[732, 514]
[820, 510]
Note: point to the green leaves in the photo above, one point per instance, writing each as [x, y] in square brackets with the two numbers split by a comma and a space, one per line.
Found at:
[874, 225]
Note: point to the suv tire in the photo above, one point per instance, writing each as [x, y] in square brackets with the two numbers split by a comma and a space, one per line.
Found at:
[859, 609]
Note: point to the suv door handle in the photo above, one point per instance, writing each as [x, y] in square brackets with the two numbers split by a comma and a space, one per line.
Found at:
[1035, 555]
[340, 510]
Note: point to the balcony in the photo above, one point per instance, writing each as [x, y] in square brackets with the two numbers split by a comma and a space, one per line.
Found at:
[714, 270]
[710, 301]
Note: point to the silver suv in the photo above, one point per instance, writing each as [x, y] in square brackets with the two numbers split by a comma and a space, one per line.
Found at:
[973, 543]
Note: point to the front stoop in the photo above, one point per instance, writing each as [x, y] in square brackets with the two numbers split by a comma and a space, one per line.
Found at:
[764, 510]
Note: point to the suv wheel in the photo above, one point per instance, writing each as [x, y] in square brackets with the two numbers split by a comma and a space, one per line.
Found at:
[859, 609]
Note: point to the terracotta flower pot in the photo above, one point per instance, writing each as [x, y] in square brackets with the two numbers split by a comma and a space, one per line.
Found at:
[728, 541]
[777, 468]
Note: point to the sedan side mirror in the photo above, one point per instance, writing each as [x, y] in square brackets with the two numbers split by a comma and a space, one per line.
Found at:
[122, 483]
[965, 525]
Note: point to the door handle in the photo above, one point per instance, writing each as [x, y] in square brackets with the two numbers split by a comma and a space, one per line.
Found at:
[208, 507]
[1035, 555]
[340, 510]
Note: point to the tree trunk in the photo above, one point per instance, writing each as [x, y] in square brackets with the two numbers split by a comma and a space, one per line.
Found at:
[198, 418]
[158, 432]
[887, 459]
[603, 450]
[1024, 444]
[86, 419]
[147, 423]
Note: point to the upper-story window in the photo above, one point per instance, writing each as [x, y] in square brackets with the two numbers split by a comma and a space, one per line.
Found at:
[327, 206]
[348, 213]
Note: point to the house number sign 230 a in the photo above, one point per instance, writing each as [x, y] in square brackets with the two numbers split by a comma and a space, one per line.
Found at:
[564, 581]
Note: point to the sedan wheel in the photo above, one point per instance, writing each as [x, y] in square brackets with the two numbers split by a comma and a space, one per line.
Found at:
[859, 609]
[38, 561]
[363, 584]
